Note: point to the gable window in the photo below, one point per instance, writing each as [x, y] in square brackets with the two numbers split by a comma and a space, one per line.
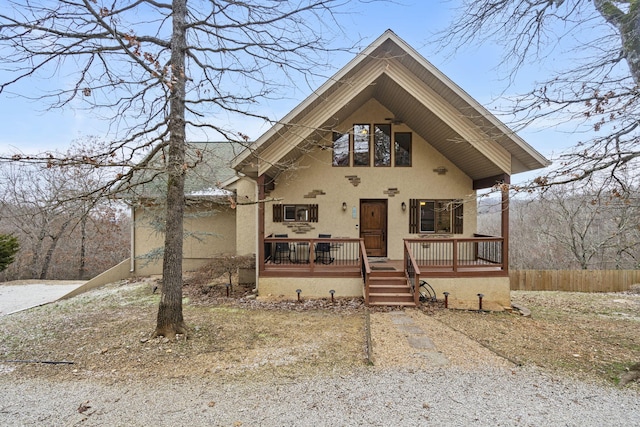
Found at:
[361, 137]
[436, 216]
[340, 149]
[382, 145]
[295, 213]
[382, 148]
[403, 149]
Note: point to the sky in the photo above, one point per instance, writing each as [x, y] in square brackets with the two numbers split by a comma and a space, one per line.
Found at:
[28, 127]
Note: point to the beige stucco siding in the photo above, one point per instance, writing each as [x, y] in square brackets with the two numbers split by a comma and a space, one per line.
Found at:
[209, 231]
[246, 216]
[463, 292]
[316, 181]
[312, 287]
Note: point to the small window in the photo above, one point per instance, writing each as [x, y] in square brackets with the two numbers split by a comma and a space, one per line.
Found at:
[361, 137]
[436, 216]
[427, 217]
[302, 213]
[295, 213]
[443, 216]
[403, 149]
[299, 213]
[340, 149]
[289, 213]
[382, 145]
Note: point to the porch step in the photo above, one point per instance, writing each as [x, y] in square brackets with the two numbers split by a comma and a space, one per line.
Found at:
[389, 288]
[391, 299]
[383, 288]
[393, 283]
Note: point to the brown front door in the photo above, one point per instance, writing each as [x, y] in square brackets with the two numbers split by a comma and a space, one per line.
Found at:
[373, 226]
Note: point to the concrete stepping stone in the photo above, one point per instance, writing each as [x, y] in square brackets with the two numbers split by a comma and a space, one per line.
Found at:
[411, 329]
[401, 320]
[434, 358]
[421, 342]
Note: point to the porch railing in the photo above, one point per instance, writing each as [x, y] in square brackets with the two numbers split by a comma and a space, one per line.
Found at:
[458, 255]
[490, 250]
[312, 254]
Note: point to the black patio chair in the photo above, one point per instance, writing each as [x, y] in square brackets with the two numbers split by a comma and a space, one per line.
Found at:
[282, 250]
[323, 250]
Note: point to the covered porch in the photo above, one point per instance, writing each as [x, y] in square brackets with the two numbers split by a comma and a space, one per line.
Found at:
[342, 265]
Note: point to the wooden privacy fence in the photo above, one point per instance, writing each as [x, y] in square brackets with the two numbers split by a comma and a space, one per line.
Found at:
[573, 280]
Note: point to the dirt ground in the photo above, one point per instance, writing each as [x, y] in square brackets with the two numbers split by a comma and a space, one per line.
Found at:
[104, 334]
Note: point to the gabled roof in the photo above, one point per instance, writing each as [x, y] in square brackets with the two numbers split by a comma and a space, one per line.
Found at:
[418, 94]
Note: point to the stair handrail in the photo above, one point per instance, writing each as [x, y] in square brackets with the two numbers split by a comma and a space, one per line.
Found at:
[412, 272]
[366, 270]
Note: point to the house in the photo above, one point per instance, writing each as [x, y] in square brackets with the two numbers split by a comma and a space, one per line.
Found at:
[367, 188]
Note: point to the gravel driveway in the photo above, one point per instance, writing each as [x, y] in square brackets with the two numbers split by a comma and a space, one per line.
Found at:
[365, 397]
[424, 375]
[21, 297]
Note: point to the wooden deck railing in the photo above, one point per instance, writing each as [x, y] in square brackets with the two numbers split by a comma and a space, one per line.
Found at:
[346, 257]
[465, 256]
[312, 256]
[412, 272]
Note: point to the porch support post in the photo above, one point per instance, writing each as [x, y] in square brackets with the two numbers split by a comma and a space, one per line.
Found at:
[505, 223]
[260, 201]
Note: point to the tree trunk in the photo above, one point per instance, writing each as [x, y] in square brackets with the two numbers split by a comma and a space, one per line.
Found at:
[170, 321]
[46, 262]
[83, 245]
[37, 251]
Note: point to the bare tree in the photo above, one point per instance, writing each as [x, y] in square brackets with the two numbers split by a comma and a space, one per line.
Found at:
[600, 42]
[572, 226]
[159, 70]
[46, 208]
[31, 205]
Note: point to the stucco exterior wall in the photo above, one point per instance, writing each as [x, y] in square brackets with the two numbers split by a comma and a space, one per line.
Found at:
[316, 181]
[210, 231]
[312, 287]
[463, 292]
[246, 216]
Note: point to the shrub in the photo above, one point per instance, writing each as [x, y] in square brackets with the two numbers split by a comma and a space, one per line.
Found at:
[223, 265]
[8, 248]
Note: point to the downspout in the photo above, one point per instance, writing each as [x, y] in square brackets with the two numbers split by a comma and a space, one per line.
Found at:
[132, 268]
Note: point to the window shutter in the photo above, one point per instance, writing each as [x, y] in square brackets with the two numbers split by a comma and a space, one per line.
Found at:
[277, 213]
[458, 215]
[414, 216]
[313, 213]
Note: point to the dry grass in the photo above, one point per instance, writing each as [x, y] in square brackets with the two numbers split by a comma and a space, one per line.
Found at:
[104, 334]
[593, 336]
